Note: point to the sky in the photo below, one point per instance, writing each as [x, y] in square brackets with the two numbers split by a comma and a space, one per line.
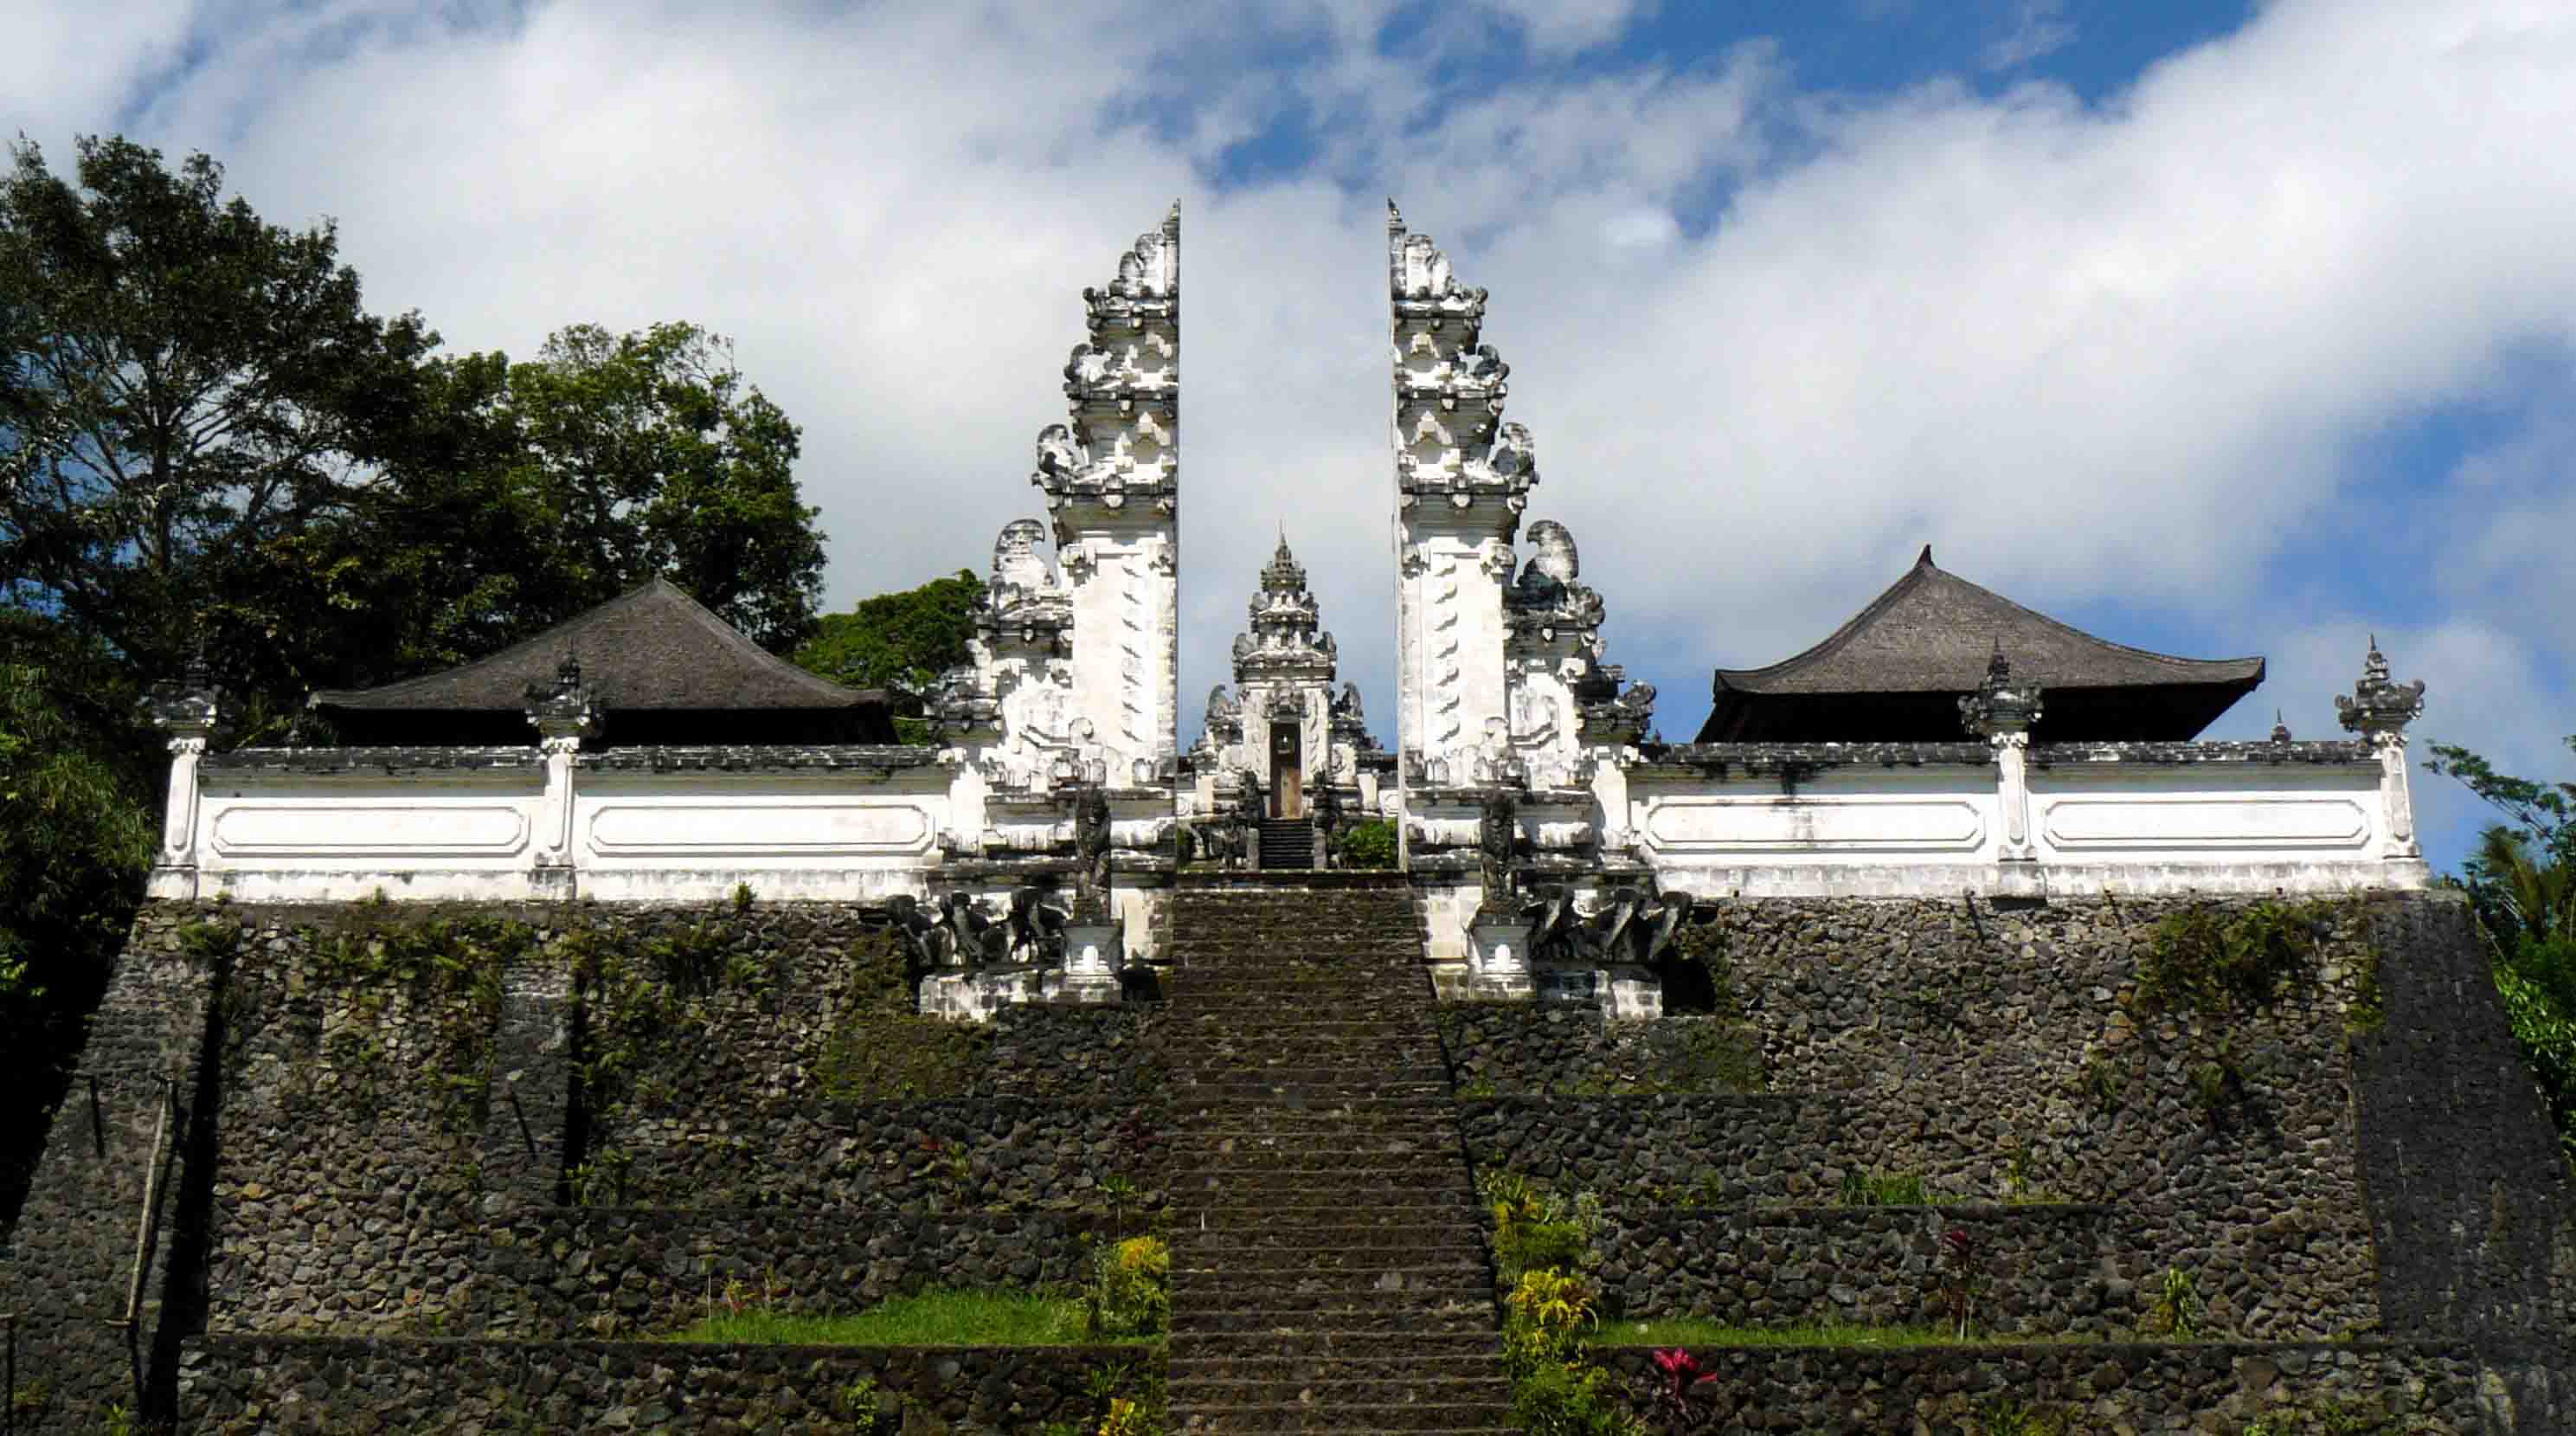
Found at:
[2218, 329]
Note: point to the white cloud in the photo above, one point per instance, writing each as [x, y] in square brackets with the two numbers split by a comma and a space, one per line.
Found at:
[2094, 352]
[2040, 28]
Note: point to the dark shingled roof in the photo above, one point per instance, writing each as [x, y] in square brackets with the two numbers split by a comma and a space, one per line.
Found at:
[1894, 672]
[652, 650]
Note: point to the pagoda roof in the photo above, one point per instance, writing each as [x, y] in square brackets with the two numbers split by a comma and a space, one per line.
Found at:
[1892, 673]
[652, 649]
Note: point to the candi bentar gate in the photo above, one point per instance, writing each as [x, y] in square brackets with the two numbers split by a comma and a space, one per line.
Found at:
[1944, 741]
[452, 1069]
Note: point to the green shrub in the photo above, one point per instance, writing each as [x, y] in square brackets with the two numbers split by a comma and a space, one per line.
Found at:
[1368, 844]
[1134, 1296]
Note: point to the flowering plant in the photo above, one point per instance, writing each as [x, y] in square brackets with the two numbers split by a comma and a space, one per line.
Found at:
[1682, 1379]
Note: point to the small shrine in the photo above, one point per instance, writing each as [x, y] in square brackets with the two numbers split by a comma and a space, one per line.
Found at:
[1282, 747]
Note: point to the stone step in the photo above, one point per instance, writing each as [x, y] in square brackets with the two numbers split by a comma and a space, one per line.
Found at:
[1185, 1347]
[1254, 944]
[1428, 1382]
[1454, 1411]
[1441, 1291]
[1317, 1152]
[1320, 1222]
[1307, 1094]
[1384, 1016]
[1363, 1267]
[1227, 1040]
[1459, 1317]
[1286, 1197]
[1328, 1247]
[1410, 1291]
[1204, 983]
[1486, 1365]
[1358, 1073]
[1392, 1171]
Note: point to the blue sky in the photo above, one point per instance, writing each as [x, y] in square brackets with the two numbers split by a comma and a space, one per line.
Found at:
[2217, 329]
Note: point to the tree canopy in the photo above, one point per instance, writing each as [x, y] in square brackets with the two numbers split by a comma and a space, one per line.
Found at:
[2522, 880]
[900, 642]
[185, 391]
[206, 439]
[209, 444]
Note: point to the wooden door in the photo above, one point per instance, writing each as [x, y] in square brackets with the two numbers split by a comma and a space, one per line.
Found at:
[1287, 772]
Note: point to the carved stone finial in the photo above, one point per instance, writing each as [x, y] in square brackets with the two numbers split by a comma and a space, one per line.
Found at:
[568, 709]
[2378, 708]
[186, 707]
[2001, 708]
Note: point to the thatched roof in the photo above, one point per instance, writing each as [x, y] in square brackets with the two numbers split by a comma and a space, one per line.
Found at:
[1900, 663]
[650, 651]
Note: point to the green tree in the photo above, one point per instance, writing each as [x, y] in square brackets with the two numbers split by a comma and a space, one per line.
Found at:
[627, 456]
[2522, 880]
[900, 642]
[186, 391]
[75, 837]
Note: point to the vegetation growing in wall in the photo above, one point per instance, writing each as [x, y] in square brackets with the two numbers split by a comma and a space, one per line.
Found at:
[423, 999]
[643, 1007]
[882, 1048]
[409, 1000]
[2216, 963]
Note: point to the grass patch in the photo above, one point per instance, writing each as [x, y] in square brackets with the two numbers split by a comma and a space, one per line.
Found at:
[930, 1318]
[1692, 1331]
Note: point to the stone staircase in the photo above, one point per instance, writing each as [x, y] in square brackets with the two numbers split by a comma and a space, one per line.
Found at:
[1287, 845]
[1328, 1268]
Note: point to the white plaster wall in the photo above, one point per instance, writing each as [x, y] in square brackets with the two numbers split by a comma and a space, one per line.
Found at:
[2123, 828]
[830, 837]
[1922, 817]
[327, 837]
[2112, 813]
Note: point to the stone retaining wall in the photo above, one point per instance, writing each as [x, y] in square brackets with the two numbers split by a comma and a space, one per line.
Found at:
[1663, 1151]
[610, 1272]
[1993, 1053]
[2373, 1387]
[236, 1386]
[2040, 1269]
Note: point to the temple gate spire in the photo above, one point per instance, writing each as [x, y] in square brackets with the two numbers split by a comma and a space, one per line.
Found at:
[1112, 482]
[1462, 479]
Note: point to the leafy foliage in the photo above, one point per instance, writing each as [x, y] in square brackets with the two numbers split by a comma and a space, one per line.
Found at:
[626, 456]
[900, 642]
[1133, 1296]
[2522, 882]
[1368, 844]
[74, 842]
[2541, 813]
[188, 395]
[2217, 965]
[1555, 1390]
